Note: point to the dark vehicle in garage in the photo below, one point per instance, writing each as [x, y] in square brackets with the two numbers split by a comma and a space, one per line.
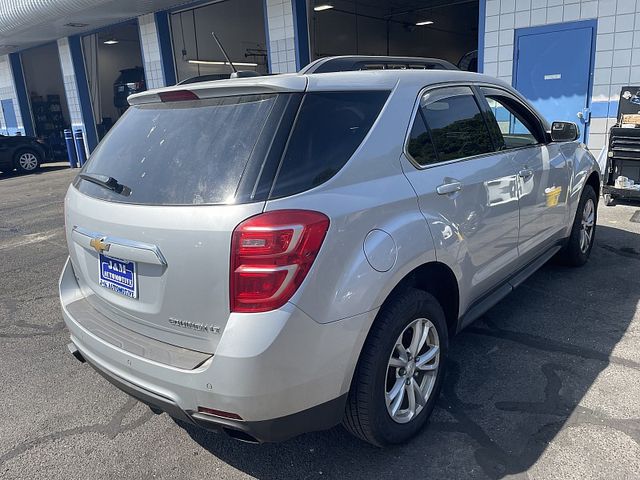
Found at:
[24, 154]
[130, 81]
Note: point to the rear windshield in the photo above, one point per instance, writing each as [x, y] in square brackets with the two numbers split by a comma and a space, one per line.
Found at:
[232, 149]
[180, 153]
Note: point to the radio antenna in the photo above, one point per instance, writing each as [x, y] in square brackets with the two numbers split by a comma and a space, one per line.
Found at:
[224, 52]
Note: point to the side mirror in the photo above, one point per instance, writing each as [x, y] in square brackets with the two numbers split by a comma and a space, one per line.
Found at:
[564, 132]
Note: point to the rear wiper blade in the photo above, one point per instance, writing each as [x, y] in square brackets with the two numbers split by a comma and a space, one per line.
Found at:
[107, 182]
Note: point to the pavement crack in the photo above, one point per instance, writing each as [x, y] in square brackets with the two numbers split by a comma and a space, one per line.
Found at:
[111, 430]
[553, 404]
[550, 345]
[628, 252]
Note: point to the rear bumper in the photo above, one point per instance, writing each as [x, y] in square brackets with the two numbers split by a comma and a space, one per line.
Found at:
[283, 373]
[320, 417]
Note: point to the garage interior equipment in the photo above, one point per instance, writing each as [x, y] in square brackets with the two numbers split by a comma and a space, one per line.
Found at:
[622, 173]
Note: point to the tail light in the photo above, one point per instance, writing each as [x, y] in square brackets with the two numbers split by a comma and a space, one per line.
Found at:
[271, 255]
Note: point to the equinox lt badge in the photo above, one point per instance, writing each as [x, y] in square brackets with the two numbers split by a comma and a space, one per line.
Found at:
[200, 327]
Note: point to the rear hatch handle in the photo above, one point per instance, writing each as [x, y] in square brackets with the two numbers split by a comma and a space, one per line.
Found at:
[118, 247]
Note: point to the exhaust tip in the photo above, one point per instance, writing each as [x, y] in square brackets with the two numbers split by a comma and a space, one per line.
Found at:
[240, 435]
[75, 352]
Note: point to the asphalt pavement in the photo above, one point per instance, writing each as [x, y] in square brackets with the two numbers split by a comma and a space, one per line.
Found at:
[546, 385]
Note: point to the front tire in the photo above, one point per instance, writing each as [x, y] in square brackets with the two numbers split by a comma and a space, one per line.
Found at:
[399, 374]
[27, 161]
[579, 244]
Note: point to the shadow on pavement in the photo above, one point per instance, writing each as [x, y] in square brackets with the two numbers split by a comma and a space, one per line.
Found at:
[515, 379]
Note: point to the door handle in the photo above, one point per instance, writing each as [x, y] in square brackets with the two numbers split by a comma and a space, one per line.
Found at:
[525, 173]
[447, 188]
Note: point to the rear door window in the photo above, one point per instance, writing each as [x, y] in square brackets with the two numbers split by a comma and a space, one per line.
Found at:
[329, 128]
[455, 122]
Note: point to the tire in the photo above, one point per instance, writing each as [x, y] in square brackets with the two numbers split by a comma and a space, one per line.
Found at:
[375, 381]
[578, 247]
[27, 161]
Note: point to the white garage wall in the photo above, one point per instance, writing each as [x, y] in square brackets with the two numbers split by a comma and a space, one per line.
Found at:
[150, 45]
[8, 91]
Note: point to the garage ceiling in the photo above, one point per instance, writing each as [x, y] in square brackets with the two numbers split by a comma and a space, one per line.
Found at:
[26, 23]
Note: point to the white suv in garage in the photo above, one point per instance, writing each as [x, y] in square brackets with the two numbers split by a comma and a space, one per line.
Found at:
[276, 255]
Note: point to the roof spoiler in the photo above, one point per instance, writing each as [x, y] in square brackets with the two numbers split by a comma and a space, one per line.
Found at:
[361, 62]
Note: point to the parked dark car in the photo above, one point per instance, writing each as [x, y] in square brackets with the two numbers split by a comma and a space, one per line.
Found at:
[24, 154]
[130, 81]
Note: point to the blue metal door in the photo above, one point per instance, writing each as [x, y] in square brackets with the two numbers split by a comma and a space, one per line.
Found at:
[554, 68]
[10, 121]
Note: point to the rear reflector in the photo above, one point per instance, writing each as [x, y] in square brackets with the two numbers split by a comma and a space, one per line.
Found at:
[271, 255]
[219, 413]
[178, 96]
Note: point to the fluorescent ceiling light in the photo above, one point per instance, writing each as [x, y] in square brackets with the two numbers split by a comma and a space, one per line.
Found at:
[111, 41]
[426, 22]
[211, 62]
[324, 6]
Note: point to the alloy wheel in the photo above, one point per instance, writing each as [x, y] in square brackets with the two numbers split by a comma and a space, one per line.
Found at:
[587, 225]
[412, 370]
[28, 161]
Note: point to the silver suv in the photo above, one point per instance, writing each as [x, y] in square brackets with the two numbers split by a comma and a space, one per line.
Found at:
[276, 255]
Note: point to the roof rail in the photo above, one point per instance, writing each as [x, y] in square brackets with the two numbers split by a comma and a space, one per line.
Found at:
[362, 62]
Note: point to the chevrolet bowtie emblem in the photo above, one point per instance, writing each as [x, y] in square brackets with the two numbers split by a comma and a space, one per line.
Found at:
[99, 244]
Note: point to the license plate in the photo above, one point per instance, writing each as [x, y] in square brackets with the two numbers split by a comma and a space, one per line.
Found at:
[119, 276]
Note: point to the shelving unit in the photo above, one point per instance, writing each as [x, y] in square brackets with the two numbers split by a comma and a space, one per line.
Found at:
[50, 123]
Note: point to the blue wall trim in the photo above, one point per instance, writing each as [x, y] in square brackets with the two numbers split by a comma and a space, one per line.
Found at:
[166, 47]
[482, 17]
[21, 91]
[301, 32]
[86, 109]
[604, 109]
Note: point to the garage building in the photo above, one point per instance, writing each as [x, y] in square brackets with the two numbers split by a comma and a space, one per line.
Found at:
[69, 63]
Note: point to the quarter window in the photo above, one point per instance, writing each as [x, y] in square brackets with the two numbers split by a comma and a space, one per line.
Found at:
[454, 127]
[420, 145]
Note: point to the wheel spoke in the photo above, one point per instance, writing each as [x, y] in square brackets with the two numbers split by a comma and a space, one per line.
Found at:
[396, 390]
[397, 402]
[589, 219]
[402, 352]
[417, 340]
[397, 362]
[411, 396]
[420, 400]
[426, 358]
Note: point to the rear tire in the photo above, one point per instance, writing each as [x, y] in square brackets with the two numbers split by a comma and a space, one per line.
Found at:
[579, 244]
[27, 161]
[388, 369]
